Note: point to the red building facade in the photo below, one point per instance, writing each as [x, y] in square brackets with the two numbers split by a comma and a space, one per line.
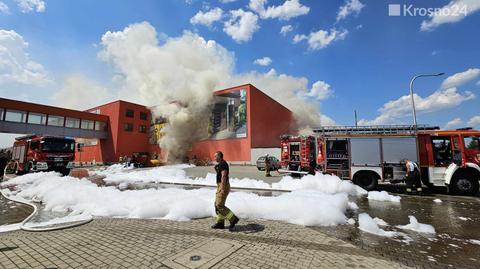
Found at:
[245, 124]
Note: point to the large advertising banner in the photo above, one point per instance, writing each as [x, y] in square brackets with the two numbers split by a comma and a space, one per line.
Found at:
[229, 115]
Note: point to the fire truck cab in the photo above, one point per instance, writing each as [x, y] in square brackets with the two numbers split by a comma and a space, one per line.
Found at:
[34, 153]
[372, 154]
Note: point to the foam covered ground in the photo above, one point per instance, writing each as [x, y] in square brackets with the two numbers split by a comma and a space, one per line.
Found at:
[315, 200]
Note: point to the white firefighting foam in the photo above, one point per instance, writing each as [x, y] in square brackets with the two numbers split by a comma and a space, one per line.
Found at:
[68, 194]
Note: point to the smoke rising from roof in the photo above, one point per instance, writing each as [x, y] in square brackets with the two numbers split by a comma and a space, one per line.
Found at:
[178, 75]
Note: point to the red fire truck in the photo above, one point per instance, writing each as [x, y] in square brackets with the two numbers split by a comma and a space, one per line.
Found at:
[370, 154]
[34, 153]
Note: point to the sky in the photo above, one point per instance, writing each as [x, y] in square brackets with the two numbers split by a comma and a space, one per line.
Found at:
[322, 59]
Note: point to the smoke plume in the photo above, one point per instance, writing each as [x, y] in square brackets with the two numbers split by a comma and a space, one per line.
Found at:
[178, 75]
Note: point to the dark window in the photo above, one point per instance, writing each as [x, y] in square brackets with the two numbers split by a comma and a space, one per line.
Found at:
[129, 113]
[128, 127]
[143, 116]
[142, 129]
[442, 150]
[472, 142]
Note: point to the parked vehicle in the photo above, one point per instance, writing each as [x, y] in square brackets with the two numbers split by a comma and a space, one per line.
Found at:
[274, 163]
[370, 154]
[34, 153]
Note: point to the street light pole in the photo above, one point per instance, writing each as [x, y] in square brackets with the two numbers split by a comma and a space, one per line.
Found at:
[411, 95]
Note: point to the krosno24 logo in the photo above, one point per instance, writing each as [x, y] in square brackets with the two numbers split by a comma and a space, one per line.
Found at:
[411, 11]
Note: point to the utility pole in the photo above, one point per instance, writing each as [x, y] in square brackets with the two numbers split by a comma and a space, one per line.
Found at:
[356, 119]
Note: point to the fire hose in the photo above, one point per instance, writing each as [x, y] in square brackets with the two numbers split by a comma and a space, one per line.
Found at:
[25, 227]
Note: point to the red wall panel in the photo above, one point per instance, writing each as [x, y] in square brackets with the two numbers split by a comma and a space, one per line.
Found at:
[269, 120]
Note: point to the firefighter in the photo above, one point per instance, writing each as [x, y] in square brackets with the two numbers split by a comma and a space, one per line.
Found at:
[267, 166]
[223, 188]
[412, 177]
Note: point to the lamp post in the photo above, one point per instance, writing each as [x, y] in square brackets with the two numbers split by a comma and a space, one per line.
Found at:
[411, 95]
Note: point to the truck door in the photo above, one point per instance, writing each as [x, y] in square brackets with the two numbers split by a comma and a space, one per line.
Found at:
[442, 150]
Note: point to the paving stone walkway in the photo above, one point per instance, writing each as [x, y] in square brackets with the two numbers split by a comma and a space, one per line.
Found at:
[134, 243]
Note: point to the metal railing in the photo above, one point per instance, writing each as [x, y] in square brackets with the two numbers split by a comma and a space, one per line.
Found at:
[373, 129]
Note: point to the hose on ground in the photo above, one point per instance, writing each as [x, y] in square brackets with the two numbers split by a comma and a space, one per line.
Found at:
[25, 227]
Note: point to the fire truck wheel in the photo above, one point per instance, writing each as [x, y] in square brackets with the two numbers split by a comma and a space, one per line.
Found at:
[464, 184]
[366, 180]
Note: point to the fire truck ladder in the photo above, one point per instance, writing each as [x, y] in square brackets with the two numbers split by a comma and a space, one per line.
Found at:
[373, 129]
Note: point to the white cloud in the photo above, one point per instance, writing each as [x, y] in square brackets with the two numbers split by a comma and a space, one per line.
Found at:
[350, 7]
[265, 61]
[15, 63]
[321, 39]
[285, 29]
[320, 90]
[461, 78]
[207, 18]
[289, 9]
[453, 123]
[241, 25]
[4, 8]
[393, 111]
[27, 6]
[78, 92]
[474, 121]
[454, 11]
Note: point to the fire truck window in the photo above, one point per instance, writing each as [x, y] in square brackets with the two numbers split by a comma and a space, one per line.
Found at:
[58, 145]
[15, 116]
[472, 142]
[34, 145]
[37, 118]
[442, 150]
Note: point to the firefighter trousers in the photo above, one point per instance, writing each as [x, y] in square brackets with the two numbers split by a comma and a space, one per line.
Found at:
[222, 211]
[413, 181]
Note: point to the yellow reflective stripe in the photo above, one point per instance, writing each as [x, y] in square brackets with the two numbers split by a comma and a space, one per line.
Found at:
[220, 217]
[230, 215]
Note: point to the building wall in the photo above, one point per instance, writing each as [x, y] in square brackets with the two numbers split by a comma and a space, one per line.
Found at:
[120, 142]
[269, 120]
[134, 141]
[236, 150]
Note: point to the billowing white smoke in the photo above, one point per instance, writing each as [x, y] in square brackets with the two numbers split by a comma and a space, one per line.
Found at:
[178, 75]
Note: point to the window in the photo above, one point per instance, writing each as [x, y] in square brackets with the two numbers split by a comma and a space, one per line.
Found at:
[2, 112]
[87, 124]
[472, 142]
[142, 128]
[96, 111]
[55, 120]
[442, 150]
[128, 127]
[100, 126]
[34, 145]
[72, 123]
[129, 113]
[143, 116]
[15, 116]
[37, 118]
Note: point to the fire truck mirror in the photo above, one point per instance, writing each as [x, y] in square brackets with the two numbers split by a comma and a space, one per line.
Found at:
[80, 147]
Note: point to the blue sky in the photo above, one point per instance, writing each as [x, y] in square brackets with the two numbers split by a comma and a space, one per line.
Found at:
[363, 59]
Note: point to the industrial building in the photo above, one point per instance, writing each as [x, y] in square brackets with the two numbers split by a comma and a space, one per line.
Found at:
[245, 123]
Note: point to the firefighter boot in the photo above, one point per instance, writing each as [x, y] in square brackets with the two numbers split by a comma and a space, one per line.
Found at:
[219, 225]
[233, 222]
[419, 191]
[408, 190]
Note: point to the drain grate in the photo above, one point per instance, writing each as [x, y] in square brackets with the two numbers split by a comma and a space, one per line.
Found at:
[203, 255]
